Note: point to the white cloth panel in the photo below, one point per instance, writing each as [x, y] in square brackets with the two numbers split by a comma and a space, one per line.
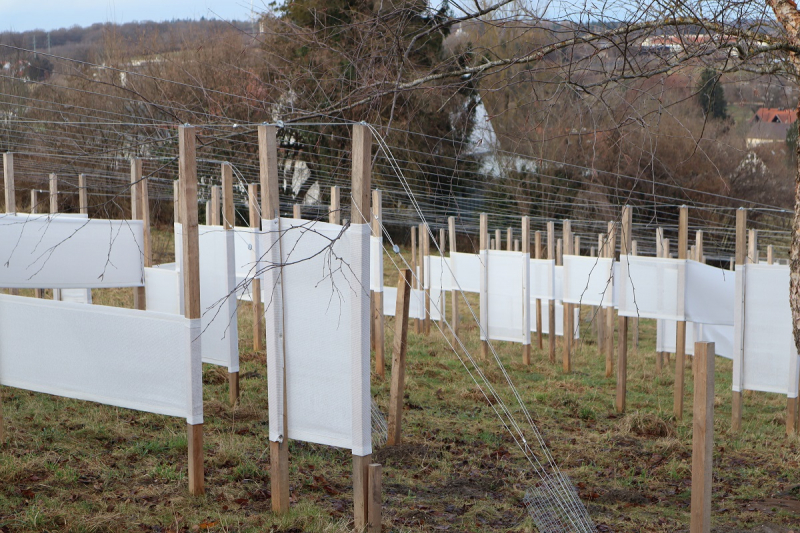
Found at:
[651, 287]
[542, 279]
[438, 274]
[325, 284]
[246, 253]
[588, 280]
[466, 271]
[375, 263]
[615, 290]
[416, 304]
[78, 296]
[721, 336]
[66, 252]
[559, 320]
[123, 357]
[765, 358]
[161, 289]
[507, 298]
[709, 294]
[558, 283]
[217, 294]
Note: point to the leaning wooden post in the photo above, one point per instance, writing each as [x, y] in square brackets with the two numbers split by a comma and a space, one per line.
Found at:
[551, 304]
[415, 274]
[377, 296]
[359, 214]
[537, 254]
[215, 206]
[425, 251]
[8, 176]
[622, 355]
[228, 220]
[740, 258]
[702, 437]
[139, 293]
[399, 357]
[611, 250]
[526, 252]
[441, 303]
[335, 214]
[484, 244]
[680, 340]
[255, 285]
[566, 359]
[191, 280]
[270, 209]
[297, 211]
[454, 294]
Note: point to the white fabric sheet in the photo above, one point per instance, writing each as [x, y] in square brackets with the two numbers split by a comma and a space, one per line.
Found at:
[375, 263]
[324, 285]
[506, 296]
[466, 271]
[559, 319]
[78, 296]
[65, 252]
[651, 287]
[558, 283]
[588, 280]
[542, 279]
[415, 304]
[709, 294]
[721, 336]
[123, 357]
[246, 253]
[161, 285]
[765, 357]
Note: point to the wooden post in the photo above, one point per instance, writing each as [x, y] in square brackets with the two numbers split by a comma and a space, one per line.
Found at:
[566, 359]
[255, 285]
[83, 196]
[335, 214]
[517, 245]
[635, 320]
[176, 202]
[454, 294]
[752, 246]
[191, 280]
[770, 255]
[576, 246]
[270, 209]
[526, 251]
[441, 303]
[509, 240]
[551, 304]
[537, 253]
[8, 174]
[415, 274]
[374, 498]
[498, 239]
[297, 211]
[680, 341]
[740, 258]
[698, 245]
[377, 297]
[215, 206]
[425, 251]
[53, 193]
[137, 203]
[484, 244]
[228, 220]
[360, 214]
[702, 437]
[493, 244]
[659, 253]
[625, 242]
[34, 201]
[399, 357]
[611, 250]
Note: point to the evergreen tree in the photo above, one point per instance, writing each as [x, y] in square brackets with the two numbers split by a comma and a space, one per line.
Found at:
[711, 95]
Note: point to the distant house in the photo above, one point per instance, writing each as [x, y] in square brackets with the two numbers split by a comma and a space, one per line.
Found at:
[770, 125]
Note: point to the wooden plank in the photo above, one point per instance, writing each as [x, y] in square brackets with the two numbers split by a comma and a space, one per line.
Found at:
[399, 358]
[8, 177]
[517, 245]
[680, 341]
[537, 251]
[268, 171]
[228, 222]
[335, 213]
[509, 240]
[442, 305]
[484, 245]
[377, 297]
[566, 356]
[255, 285]
[526, 251]
[83, 195]
[770, 255]
[740, 258]
[498, 239]
[176, 202]
[297, 211]
[361, 491]
[626, 243]
[425, 251]
[454, 294]
[702, 437]
[699, 256]
[215, 205]
[191, 280]
[752, 246]
[611, 250]
[53, 193]
[374, 498]
[551, 305]
[139, 293]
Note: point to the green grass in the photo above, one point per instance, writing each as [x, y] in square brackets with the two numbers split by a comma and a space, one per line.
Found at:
[77, 466]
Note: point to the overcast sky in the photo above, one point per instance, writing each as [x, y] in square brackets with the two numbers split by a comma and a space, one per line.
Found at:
[21, 15]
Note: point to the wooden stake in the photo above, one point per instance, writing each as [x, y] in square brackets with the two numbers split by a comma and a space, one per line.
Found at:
[137, 204]
[454, 294]
[297, 211]
[191, 280]
[680, 341]
[53, 193]
[509, 240]
[335, 214]
[374, 498]
[228, 221]
[255, 285]
[537, 252]
[498, 239]
[611, 249]
[215, 206]
[770, 255]
[622, 355]
[698, 245]
[399, 357]
[484, 244]
[360, 214]
[551, 304]
[34, 201]
[176, 202]
[752, 246]
[8, 175]
[566, 360]
[442, 300]
[740, 258]
[526, 251]
[517, 245]
[493, 244]
[702, 437]
[425, 251]
[415, 273]
[83, 196]
[377, 297]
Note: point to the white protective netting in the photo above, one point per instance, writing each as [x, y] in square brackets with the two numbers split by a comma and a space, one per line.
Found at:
[375, 263]
[764, 354]
[316, 276]
[123, 357]
[65, 252]
[505, 298]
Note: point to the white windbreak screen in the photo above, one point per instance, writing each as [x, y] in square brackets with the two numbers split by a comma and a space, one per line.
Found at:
[78, 296]
[507, 299]
[466, 271]
[325, 307]
[376, 263]
[162, 289]
[709, 294]
[123, 357]
[217, 294]
[650, 287]
[246, 254]
[65, 252]
[765, 357]
[559, 320]
[542, 279]
[558, 283]
[721, 336]
[439, 279]
[415, 304]
[587, 280]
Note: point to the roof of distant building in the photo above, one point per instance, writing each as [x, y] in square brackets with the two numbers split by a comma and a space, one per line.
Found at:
[771, 114]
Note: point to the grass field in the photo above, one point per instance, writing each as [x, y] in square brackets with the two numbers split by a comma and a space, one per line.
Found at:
[76, 466]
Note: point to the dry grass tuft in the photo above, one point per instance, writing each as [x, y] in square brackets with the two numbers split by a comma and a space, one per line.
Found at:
[646, 425]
